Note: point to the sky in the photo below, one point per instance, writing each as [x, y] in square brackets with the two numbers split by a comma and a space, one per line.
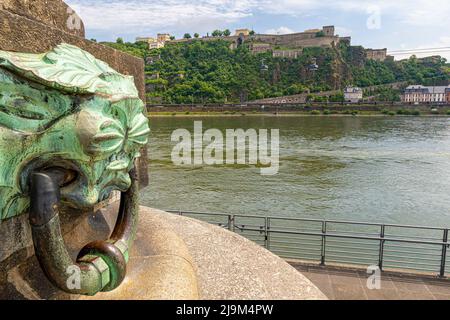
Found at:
[392, 24]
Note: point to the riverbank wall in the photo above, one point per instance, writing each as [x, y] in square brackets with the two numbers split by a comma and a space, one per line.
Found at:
[299, 108]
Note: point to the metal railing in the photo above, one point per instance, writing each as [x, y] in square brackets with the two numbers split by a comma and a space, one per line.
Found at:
[389, 246]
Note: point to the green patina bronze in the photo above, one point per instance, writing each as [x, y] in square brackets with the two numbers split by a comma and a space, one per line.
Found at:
[66, 109]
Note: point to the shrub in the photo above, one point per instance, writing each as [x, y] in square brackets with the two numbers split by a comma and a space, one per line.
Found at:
[407, 112]
[415, 113]
[326, 112]
[391, 113]
[315, 112]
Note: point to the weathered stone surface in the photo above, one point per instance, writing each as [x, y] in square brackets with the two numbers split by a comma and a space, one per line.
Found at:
[16, 235]
[20, 274]
[160, 268]
[54, 13]
[233, 268]
[176, 258]
[160, 265]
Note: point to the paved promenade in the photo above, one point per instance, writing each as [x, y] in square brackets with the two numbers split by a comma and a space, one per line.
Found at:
[339, 284]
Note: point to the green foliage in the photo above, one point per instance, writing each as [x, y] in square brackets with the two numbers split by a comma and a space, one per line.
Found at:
[196, 35]
[217, 33]
[320, 34]
[227, 32]
[406, 112]
[337, 98]
[384, 93]
[213, 73]
[187, 36]
[162, 82]
[138, 49]
[119, 40]
[316, 98]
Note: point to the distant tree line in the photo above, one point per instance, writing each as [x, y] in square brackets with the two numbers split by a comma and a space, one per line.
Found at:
[210, 72]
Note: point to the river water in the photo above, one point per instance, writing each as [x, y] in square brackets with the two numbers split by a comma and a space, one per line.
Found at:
[377, 169]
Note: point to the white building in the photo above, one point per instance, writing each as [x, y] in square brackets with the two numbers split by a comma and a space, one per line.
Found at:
[419, 93]
[353, 94]
[155, 43]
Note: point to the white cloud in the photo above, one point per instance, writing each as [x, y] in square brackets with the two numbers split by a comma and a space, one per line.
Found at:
[165, 15]
[415, 19]
[280, 30]
[443, 42]
[343, 31]
[412, 12]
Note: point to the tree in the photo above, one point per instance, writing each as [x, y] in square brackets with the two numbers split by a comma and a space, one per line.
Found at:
[187, 36]
[196, 35]
[320, 34]
[252, 33]
[172, 38]
[119, 40]
[209, 72]
[227, 33]
[217, 33]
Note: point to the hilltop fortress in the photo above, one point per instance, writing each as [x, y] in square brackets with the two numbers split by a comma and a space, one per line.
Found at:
[285, 45]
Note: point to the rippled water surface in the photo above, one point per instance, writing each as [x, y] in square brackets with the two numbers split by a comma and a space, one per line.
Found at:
[391, 170]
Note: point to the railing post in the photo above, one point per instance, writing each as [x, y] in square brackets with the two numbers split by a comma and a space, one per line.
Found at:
[381, 252]
[324, 243]
[233, 225]
[268, 224]
[444, 253]
[230, 220]
[266, 236]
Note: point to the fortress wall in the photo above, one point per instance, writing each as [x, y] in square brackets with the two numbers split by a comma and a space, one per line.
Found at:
[296, 40]
[317, 42]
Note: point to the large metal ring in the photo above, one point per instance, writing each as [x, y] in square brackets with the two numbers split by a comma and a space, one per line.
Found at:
[101, 265]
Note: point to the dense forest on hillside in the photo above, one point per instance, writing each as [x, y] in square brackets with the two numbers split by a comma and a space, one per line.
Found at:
[210, 72]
